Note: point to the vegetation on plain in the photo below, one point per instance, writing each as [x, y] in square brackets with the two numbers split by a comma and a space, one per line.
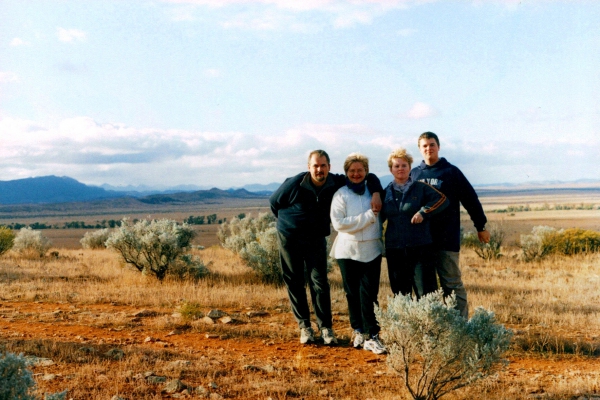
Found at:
[29, 242]
[7, 239]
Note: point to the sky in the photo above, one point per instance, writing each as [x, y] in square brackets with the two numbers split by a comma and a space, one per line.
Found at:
[227, 93]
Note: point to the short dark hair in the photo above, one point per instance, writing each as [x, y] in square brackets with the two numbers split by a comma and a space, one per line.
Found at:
[319, 153]
[428, 135]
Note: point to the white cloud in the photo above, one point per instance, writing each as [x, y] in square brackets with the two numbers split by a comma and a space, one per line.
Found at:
[70, 35]
[113, 153]
[213, 72]
[16, 42]
[7, 76]
[420, 110]
[406, 32]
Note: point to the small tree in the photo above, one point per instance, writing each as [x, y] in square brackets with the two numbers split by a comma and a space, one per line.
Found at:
[487, 251]
[30, 242]
[152, 247]
[96, 239]
[7, 239]
[435, 349]
[16, 381]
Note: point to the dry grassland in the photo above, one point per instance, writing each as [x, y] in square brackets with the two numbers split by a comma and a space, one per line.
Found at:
[76, 308]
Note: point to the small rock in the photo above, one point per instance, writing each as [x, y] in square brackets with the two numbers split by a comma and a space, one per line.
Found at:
[49, 377]
[226, 320]
[248, 367]
[174, 386]
[213, 385]
[179, 364]
[38, 361]
[150, 339]
[201, 390]
[115, 397]
[211, 336]
[156, 379]
[323, 392]
[144, 313]
[207, 320]
[115, 354]
[215, 396]
[216, 314]
[256, 313]
[148, 373]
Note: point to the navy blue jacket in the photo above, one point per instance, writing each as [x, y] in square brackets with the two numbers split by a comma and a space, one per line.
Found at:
[445, 228]
[301, 212]
[399, 208]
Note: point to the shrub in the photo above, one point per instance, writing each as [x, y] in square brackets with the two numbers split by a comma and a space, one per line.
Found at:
[96, 239]
[152, 247]
[435, 349]
[190, 311]
[545, 240]
[487, 251]
[255, 240]
[30, 242]
[7, 238]
[16, 381]
[535, 246]
[188, 267]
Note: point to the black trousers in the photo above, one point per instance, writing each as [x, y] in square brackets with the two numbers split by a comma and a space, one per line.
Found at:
[296, 255]
[401, 269]
[361, 284]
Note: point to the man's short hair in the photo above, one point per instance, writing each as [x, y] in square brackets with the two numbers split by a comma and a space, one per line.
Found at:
[356, 157]
[319, 153]
[399, 153]
[428, 135]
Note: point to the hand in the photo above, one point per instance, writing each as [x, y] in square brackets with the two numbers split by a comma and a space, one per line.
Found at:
[417, 218]
[483, 236]
[376, 202]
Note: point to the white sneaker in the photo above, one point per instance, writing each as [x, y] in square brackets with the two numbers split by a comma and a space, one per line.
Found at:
[328, 336]
[358, 339]
[375, 345]
[307, 335]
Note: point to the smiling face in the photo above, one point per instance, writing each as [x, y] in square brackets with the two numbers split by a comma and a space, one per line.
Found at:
[357, 172]
[319, 169]
[429, 149]
[400, 169]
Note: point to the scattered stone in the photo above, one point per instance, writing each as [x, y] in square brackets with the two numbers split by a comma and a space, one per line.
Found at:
[216, 314]
[150, 339]
[268, 368]
[215, 396]
[248, 367]
[144, 313]
[156, 379]
[115, 354]
[323, 392]
[148, 373]
[207, 320]
[115, 397]
[201, 390]
[252, 314]
[226, 320]
[213, 385]
[175, 332]
[174, 386]
[211, 336]
[179, 364]
[48, 377]
[38, 361]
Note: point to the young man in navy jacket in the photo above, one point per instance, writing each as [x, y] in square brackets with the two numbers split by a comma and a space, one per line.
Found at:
[445, 227]
[301, 205]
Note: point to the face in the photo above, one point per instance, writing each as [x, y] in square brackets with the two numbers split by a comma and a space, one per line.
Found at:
[400, 170]
[357, 172]
[319, 169]
[429, 149]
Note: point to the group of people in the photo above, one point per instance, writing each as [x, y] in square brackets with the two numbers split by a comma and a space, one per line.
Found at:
[422, 210]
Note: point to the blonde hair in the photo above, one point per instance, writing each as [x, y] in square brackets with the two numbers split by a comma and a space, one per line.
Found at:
[356, 157]
[400, 153]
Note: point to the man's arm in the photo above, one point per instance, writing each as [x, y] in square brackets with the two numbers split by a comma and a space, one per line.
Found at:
[280, 198]
[471, 203]
[374, 186]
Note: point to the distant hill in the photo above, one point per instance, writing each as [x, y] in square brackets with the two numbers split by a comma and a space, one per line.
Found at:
[199, 196]
[50, 189]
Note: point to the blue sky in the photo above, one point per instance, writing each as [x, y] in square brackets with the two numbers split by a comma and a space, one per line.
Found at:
[227, 93]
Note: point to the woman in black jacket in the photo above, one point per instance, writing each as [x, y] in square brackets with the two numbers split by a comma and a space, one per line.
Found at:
[407, 206]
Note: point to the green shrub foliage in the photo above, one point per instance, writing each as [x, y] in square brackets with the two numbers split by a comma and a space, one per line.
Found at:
[152, 247]
[96, 239]
[30, 242]
[487, 251]
[255, 240]
[437, 351]
[7, 239]
[16, 381]
[545, 240]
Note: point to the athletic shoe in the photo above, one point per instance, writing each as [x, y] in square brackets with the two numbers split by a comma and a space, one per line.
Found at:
[358, 339]
[307, 335]
[375, 345]
[328, 336]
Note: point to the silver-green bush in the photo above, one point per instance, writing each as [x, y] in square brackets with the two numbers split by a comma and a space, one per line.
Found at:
[30, 242]
[435, 349]
[152, 247]
[96, 239]
[535, 245]
[487, 251]
[255, 240]
[16, 381]
[7, 239]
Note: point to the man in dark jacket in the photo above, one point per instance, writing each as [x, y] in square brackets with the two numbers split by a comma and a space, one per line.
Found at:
[301, 205]
[445, 228]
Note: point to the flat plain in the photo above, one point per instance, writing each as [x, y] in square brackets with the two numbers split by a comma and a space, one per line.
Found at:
[110, 331]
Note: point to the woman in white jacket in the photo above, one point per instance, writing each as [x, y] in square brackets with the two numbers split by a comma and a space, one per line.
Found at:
[358, 248]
